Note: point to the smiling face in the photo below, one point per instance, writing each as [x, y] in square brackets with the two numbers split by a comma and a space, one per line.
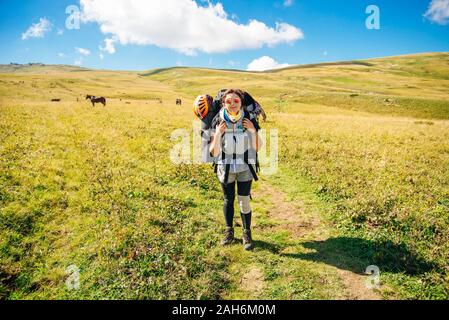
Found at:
[233, 103]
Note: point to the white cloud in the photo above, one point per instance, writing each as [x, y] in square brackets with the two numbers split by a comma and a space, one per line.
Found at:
[78, 62]
[182, 25]
[37, 30]
[60, 32]
[265, 63]
[82, 51]
[109, 46]
[288, 3]
[101, 56]
[438, 11]
[61, 55]
[325, 53]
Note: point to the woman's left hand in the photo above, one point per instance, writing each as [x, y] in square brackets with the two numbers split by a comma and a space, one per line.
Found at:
[248, 125]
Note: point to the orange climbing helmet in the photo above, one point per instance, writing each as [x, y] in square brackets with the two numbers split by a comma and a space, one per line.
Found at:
[202, 105]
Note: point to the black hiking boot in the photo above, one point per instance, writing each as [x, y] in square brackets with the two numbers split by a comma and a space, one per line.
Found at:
[247, 240]
[229, 237]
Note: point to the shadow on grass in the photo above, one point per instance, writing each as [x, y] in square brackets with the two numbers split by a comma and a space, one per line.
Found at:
[263, 245]
[356, 254]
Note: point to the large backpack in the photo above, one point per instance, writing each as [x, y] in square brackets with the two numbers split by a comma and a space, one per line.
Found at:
[248, 103]
[252, 111]
[254, 168]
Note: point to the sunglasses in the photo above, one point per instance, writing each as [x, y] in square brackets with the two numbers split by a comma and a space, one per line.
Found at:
[229, 101]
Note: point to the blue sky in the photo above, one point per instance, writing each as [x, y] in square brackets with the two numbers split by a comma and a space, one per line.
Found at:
[143, 36]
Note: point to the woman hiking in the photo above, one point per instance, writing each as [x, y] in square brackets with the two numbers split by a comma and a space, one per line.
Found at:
[235, 144]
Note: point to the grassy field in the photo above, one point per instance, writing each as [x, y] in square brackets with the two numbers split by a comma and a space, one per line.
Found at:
[363, 180]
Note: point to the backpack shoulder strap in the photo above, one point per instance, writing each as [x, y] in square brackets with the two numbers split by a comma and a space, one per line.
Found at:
[247, 115]
[215, 121]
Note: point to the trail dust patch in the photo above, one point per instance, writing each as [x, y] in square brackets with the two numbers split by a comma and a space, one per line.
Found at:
[302, 224]
[355, 286]
[288, 216]
[253, 282]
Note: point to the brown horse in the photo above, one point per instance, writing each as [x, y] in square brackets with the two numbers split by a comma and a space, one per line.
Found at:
[95, 100]
[178, 102]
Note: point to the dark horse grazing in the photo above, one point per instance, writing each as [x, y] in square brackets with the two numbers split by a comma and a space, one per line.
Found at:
[178, 102]
[95, 100]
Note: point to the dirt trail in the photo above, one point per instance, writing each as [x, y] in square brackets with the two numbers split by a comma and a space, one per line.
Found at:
[303, 225]
[288, 215]
[253, 282]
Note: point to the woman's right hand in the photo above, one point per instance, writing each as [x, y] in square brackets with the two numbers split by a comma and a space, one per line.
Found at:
[221, 129]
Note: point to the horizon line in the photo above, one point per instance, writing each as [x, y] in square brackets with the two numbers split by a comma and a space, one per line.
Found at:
[160, 69]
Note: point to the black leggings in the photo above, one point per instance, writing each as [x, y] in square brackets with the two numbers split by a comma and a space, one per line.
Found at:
[243, 189]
